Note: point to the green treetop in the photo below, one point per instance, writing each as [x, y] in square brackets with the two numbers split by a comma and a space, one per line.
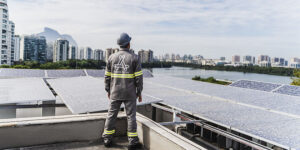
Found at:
[296, 79]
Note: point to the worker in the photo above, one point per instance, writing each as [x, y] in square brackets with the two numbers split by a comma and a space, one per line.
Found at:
[124, 84]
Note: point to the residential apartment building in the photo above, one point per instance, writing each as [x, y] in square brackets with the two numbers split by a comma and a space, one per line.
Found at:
[7, 35]
[60, 50]
[147, 56]
[33, 48]
[98, 54]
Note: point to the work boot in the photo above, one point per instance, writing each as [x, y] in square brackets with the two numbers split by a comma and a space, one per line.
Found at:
[134, 143]
[107, 142]
[135, 146]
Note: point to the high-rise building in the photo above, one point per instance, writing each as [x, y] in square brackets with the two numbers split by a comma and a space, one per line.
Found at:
[98, 54]
[295, 63]
[278, 62]
[263, 58]
[88, 53]
[7, 29]
[249, 59]
[146, 56]
[109, 52]
[81, 53]
[60, 50]
[49, 50]
[236, 59]
[33, 48]
[178, 57]
[17, 40]
[11, 46]
[222, 58]
[73, 52]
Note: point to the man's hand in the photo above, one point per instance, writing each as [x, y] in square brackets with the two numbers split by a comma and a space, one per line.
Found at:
[140, 98]
[108, 95]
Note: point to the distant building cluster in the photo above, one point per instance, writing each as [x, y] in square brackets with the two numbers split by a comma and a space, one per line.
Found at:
[15, 48]
[237, 60]
[146, 56]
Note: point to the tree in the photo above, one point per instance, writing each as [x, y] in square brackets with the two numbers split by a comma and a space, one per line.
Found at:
[296, 79]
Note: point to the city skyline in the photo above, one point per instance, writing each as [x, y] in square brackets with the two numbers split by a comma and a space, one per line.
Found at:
[210, 28]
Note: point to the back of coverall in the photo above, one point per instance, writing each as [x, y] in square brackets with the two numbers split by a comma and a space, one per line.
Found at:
[124, 83]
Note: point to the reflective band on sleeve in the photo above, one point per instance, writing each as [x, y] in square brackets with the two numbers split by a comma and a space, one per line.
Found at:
[132, 134]
[109, 132]
[107, 73]
[114, 75]
[138, 73]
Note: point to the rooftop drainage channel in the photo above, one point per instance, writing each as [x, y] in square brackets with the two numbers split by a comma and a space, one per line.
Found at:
[189, 119]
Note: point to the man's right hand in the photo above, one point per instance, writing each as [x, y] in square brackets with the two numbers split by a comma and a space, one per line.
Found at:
[140, 98]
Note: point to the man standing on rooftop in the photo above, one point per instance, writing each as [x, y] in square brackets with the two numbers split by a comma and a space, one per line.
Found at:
[124, 84]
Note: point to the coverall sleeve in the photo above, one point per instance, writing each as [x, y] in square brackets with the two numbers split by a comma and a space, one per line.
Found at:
[138, 77]
[107, 77]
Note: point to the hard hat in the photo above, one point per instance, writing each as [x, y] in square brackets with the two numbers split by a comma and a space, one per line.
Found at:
[124, 39]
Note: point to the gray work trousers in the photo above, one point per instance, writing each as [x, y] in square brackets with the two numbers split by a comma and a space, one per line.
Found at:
[130, 108]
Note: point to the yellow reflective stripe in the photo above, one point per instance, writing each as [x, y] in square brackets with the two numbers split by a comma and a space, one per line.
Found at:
[114, 75]
[122, 75]
[138, 73]
[108, 73]
[132, 134]
[109, 132]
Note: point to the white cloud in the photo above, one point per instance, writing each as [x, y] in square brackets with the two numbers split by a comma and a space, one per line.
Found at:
[208, 27]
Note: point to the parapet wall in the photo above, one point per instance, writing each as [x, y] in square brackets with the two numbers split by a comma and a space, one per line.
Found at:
[15, 133]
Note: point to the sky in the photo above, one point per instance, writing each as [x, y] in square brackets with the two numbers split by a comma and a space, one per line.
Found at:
[212, 28]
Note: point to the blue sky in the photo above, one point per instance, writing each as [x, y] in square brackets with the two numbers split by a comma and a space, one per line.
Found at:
[211, 28]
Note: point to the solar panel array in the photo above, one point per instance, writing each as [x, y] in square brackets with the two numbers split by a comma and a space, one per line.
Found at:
[266, 116]
[289, 90]
[85, 94]
[18, 73]
[255, 85]
[8, 73]
[24, 91]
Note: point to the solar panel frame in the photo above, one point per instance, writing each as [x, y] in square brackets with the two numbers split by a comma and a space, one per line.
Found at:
[21, 73]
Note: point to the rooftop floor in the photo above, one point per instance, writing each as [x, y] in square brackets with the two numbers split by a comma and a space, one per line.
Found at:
[120, 144]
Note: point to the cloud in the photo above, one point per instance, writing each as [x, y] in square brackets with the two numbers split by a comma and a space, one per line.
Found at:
[208, 27]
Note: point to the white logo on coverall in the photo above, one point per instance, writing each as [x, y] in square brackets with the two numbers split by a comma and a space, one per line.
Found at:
[121, 64]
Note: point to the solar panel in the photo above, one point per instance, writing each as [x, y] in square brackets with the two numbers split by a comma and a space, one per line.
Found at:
[255, 85]
[65, 73]
[96, 73]
[289, 90]
[259, 122]
[16, 73]
[85, 94]
[24, 90]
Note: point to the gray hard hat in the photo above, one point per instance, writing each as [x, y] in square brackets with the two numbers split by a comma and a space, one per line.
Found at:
[124, 39]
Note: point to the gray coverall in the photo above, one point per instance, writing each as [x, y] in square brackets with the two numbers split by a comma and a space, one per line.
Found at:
[124, 83]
